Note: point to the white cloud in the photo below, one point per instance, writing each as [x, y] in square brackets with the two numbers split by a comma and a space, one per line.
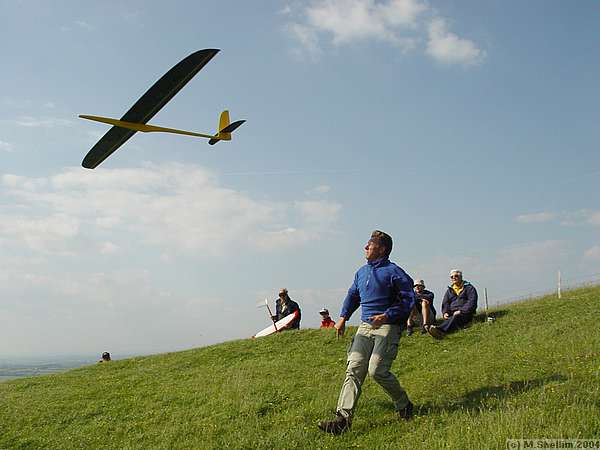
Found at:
[83, 24]
[447, 47]
[536, 217]
[538, 255]
[319, 190]
[35, 122]
[5, 146]
[319, 212]
[41, 234]
[396, 22]
[307, 38]
[172, 207]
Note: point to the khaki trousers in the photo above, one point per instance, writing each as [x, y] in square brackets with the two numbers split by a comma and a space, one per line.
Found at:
[372, 351]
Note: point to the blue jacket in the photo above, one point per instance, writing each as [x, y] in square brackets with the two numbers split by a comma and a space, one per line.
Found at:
[466, 302]
[380, 287]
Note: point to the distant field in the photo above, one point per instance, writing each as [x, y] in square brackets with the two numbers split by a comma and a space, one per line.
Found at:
[534, 372]
[19, 368]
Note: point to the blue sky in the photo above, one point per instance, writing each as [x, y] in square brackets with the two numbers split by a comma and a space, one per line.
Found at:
[466, 130]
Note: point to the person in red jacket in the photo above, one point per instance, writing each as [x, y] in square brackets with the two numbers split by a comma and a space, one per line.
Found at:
[327, 322]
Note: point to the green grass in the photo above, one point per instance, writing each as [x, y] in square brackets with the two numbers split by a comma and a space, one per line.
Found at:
[534, 372]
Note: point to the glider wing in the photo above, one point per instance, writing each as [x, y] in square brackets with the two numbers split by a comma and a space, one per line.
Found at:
[148, 105]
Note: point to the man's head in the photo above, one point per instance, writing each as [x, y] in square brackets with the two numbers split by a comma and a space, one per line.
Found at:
[324, 313]
[456, 276]
[283, 294]
[378, 246]
[419, 285]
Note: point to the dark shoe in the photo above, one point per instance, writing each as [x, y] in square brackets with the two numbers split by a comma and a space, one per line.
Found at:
[336, 426]
[406, 413]
[424, 330]
[409, 331]
[435, 332]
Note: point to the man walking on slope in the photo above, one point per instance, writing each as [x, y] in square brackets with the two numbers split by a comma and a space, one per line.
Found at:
[385, 293]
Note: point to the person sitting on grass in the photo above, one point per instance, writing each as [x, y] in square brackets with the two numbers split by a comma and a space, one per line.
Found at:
[327, 321]
[105, 357]
[285, 306]
[423, 307]
[458, 306]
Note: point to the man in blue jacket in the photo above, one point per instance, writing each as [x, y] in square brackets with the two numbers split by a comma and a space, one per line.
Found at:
[385, 294]
[458, 306]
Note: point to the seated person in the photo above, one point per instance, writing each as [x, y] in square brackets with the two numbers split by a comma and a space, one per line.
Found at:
[327, 322]
[458, 306]
[423, 307]
[105, 357]
[285, 306]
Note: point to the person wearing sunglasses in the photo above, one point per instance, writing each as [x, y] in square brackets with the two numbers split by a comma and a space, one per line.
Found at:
[458, 306]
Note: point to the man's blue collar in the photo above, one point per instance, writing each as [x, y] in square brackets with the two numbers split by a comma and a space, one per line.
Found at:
[378, 262]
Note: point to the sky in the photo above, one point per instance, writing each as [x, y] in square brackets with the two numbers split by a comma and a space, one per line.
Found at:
[466, 130]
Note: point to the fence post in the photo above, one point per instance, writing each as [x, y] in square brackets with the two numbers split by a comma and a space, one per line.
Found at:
[486, 304]
[559, 293]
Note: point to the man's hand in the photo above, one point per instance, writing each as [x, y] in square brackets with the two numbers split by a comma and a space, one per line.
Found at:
[340, 327]
[377, 320]
[456, 313]
[446, 316]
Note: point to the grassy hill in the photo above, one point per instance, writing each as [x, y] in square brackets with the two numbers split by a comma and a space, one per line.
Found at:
[534, 372]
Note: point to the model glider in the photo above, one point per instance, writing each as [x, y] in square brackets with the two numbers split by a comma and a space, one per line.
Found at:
[149, 104]
[278, 326]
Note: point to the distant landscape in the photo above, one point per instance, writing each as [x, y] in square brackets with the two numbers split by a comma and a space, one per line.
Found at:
[11, 368]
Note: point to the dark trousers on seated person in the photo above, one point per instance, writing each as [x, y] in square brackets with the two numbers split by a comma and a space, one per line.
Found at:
[454, 322]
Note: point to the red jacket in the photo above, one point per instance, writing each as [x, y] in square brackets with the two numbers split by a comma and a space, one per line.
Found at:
[327, 323]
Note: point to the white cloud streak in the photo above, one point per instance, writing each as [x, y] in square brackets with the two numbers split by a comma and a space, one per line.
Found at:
[35, 122]
[565, 218]
[540, 217]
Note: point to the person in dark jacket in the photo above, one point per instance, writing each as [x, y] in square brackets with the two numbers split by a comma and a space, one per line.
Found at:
[458, 306]
[423, 307]
[285, 306]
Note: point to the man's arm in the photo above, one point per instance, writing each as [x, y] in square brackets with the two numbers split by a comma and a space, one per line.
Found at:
[351, 304]
[471, 304]
[403, 299]
[446, 302]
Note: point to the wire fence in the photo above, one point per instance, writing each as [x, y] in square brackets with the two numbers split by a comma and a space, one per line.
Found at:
[563, 285]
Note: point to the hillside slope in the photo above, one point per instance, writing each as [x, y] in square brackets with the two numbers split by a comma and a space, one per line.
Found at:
[534, 372]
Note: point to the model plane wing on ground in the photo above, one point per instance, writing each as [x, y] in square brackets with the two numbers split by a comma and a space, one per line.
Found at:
[148, 105]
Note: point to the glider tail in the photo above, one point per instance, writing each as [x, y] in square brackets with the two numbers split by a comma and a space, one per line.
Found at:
[225, 128]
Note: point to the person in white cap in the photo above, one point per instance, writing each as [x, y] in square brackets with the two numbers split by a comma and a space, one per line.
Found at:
[423, 307]
[458, 306]
[327, 321]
